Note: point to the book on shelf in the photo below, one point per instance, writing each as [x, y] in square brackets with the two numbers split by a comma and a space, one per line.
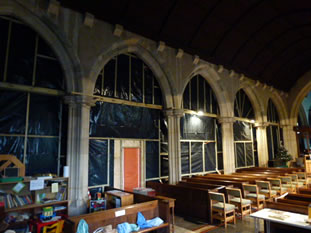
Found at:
[15, 201]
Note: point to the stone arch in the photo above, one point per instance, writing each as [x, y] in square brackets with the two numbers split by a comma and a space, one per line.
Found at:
[53, 36]
[212, 77]
[144, 55]
[256, 102]
[296, 96]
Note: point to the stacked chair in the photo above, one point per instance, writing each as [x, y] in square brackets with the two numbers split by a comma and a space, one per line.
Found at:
[276, 185]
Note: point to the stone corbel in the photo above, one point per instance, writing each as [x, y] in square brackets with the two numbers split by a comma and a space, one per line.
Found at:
[174, 112]
[80, 100]
[261, 125]
[226, 120]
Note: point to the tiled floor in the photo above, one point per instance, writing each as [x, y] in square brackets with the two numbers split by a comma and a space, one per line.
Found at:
[246, 225]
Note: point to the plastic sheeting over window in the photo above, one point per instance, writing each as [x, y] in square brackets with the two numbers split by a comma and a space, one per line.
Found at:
[273, 140]
[196, 157]
[13, 112]
[199, 96]
[152, 159]
[197, 127]
[242, 131]
[41, 157]
[240, 160]
[272, 115]
[123, 121]
[127, 77]
[98, 162]
[185, 167]
[210, 156]
[164, 165]
[12, 145]
[242, 106]
[44, 115]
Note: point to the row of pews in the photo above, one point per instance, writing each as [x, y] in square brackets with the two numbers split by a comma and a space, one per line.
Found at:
[193, 199]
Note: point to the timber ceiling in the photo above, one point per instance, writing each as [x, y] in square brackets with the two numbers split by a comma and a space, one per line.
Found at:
[267, 40]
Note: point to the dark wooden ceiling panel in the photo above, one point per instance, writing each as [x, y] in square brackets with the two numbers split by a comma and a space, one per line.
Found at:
[265, 40]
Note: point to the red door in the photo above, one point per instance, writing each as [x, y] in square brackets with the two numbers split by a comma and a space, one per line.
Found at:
[131, 168]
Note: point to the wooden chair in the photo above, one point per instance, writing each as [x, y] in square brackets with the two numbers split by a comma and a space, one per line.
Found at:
[276, 185]
[220, 209]
[264, 188]
[55, 228]
[302, 177]
[235, 198]
[251, 192]
[295, 181]
[287, 183]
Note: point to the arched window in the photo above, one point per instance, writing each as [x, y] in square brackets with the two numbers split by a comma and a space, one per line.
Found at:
[31, 111]
[243, 131]
[201, 149]
[129, 107]
[274, 132]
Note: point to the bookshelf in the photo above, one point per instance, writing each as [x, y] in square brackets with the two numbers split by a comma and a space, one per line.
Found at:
[32, 201]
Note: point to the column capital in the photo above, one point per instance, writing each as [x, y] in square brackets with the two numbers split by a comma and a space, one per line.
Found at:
[223, 120]
[76, 100]
[262, 125]
[173, 112]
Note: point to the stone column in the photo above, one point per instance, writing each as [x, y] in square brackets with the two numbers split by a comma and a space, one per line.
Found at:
[78, 151]
[290, 141]
[262, 143]
[228, 143]
[174, 153]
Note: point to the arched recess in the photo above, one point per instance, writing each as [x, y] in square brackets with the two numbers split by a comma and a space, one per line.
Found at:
[297, 95]
[133, 47]
[212, 77]
[53, 36]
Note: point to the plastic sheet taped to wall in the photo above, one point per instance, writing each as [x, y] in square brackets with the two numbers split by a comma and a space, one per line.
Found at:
[12, 145]
[185, 169]
[4, 27]
[44, 115]
[197, 127]
[111, 163]
[12, 112]
[152, 159]
[240, 154]
[242, 131]
[196, 157]
[123, 121]
[136, 80]
[98, 162]
[210, 156]
[164, 165]
[249, 154]
[41, 157]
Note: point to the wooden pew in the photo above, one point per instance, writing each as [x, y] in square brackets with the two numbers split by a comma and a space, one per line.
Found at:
[305, 191]
[235, 184]
[190, 201]
[294, 202]
[298, 197]
[144, 204]
[149, 209]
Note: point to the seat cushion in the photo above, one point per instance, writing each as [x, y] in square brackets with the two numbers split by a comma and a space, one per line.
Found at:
[266, 191]
[238, 200]
[254, 195]
[220, 205]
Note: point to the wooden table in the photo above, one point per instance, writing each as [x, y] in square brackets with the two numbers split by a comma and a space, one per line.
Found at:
[126, 198]
[292, 220]
[171, 204]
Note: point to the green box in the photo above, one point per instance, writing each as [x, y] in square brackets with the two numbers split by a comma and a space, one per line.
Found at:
[11, 179]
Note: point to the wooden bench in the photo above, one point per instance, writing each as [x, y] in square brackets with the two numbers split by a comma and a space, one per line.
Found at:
[235, 184]
[149, 209]
[190, 202]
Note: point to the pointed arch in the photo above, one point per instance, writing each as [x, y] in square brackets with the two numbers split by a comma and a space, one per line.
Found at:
[132, 46]
[53, 36]
[212, 78]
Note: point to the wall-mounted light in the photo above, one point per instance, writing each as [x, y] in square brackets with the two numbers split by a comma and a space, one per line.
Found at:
[200, 113]
[252, 121]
